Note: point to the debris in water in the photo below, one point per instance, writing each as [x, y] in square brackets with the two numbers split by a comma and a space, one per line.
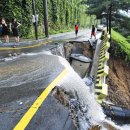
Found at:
[20, 103]
[88, 81]
[77, 113]
[10, 55]
[15, 54]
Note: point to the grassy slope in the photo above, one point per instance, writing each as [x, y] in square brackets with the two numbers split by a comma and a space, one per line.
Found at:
[122, 42]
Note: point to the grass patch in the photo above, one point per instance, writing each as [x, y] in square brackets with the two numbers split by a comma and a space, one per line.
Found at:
[122, 42]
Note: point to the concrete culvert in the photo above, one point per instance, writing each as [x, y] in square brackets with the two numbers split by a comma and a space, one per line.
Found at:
[79, 54]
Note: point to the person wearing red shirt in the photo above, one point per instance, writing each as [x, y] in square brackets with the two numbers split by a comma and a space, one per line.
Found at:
[76, 30]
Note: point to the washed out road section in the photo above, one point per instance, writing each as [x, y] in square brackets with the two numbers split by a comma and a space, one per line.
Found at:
[21, 82]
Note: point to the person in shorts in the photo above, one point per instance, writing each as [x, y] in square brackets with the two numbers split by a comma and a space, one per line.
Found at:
[93, 32]
[14, 28]
[5, 30]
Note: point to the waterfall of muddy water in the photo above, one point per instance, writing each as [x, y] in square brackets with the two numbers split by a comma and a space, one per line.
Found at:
[57, 50]
[89, 112]
[60, 50]
[84, 109]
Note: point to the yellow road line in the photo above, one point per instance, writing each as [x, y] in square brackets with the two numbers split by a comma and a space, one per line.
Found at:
[24, 47]
[33, 109]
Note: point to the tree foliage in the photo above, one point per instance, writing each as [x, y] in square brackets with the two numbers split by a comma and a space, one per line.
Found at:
[62, 14]
[98, 7]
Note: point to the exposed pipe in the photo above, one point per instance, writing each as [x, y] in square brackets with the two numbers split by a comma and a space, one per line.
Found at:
[116, 112]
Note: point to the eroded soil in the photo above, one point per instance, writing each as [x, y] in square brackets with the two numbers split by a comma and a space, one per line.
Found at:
[119, 82]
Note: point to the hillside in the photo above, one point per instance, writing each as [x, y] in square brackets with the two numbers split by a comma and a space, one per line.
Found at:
[119, 74]
[122, 45]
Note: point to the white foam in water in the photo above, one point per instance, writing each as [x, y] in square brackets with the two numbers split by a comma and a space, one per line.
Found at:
[10, 58]
[103, 128]
[38, 53]
[88, 81]
[125, 127]
[113, 124]
[61, 50]
[117, 127]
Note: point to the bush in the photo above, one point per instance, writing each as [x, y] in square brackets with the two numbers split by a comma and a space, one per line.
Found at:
[122, 45]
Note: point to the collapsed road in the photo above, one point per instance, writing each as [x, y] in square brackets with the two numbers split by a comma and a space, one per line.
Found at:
[22, 81]
[25, 83]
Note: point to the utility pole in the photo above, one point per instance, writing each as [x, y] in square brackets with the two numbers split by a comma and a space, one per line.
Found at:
[46, 18]
[110, 17]
[35, 19]
[107, 18]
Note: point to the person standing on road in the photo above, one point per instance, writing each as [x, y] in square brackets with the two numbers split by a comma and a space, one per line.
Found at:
[14, 27]
[76, 29]
[93, 32]
[5, 30]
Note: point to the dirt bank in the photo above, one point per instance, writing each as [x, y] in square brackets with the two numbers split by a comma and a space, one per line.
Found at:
[119, 82]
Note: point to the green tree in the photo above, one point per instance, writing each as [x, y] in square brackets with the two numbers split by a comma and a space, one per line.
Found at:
[98, 7]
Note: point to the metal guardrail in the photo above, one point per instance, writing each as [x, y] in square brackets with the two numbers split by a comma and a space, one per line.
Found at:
[101, 88]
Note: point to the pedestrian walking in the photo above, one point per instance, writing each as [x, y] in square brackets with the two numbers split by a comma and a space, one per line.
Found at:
[5, 30]
[93, 32]
[76, 29]
[14, 27]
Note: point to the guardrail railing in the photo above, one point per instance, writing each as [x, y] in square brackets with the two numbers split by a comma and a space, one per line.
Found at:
[101, 88]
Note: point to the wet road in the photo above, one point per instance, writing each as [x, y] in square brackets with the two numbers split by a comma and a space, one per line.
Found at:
[21, 82]
[41, 44]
